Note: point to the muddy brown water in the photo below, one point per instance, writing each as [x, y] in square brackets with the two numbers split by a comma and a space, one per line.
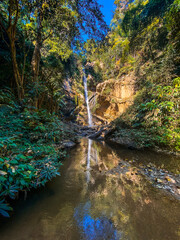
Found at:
[84, 203]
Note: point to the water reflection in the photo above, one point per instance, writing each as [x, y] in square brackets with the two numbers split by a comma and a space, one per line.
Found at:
[94, 229]
[89, 160]
[84, 203]
[100, 227]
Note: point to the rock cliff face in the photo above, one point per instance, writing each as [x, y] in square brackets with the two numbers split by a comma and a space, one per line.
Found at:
[114, 97]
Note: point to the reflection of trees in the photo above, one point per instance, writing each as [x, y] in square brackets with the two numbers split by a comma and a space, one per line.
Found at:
[129, 201]
[59, 226]
[107, 159]
[134, 209]
[160, 160]
[110, 203]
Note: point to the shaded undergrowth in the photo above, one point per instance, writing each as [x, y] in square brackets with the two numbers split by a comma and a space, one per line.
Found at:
[30, 148]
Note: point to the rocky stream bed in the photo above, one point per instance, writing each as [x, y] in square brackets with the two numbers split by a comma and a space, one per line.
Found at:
[159, 177]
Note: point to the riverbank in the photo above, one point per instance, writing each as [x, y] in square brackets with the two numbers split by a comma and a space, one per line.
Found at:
[160, 174]
[84, 201]
[32, 145]
[130, 138]
[139, 139]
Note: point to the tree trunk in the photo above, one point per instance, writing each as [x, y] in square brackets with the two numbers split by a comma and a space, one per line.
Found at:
[13, 14]
[17, 76]
[36, 60]
[37, 56]
[35, 67]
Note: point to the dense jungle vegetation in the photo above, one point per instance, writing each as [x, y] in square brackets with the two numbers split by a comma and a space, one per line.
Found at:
[39, 42]
[144, 42]
[45, 42]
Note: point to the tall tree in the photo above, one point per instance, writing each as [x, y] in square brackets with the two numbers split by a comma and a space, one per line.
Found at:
[63, 20]
[8, 23]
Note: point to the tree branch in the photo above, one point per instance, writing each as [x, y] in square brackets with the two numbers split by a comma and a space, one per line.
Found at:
[17, 12]
[44, 39]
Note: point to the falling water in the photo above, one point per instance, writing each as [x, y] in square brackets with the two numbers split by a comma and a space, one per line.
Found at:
[87, 100]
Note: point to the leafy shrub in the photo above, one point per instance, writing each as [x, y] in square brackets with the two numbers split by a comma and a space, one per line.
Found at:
[29, 150]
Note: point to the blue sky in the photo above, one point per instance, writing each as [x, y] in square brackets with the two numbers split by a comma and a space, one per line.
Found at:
[108, 7]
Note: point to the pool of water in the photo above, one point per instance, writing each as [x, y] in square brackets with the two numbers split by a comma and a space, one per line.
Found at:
[87, 203]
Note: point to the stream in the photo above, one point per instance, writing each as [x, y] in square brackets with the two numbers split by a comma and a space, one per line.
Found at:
[89, 201]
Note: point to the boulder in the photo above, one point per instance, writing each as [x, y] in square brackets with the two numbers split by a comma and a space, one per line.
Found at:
[68, 144]
[114, 96]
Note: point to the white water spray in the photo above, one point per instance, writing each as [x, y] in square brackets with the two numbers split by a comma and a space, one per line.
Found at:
[87, 100]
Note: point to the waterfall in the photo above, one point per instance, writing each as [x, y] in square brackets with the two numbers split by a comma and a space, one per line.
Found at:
[87, 100]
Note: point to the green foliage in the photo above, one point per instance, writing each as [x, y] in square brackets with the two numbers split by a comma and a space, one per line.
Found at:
[107, 90]
[4, 208]
[39, 38]
[144, 42]
[155, 112]
[37, 54]
[30, 152]
[95, 107]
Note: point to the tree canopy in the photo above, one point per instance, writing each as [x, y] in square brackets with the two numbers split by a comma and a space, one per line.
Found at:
[37, 30]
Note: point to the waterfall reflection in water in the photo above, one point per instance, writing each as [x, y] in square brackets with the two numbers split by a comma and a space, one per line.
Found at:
[92, 157]
[112, 207]
[100, 228]
[89, 160]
